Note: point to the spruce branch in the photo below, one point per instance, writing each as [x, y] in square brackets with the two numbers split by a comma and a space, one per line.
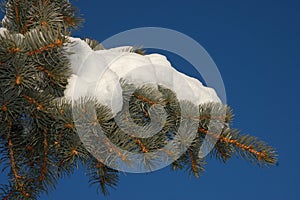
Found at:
[248, 147]
[39, 142]
[102, 176]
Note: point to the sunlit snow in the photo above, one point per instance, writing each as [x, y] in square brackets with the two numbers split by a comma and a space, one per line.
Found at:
[97, 74]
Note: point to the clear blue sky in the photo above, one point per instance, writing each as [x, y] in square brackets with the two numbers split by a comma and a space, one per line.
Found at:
[255, 45]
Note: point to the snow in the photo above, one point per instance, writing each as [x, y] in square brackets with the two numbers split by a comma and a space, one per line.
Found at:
[97, 74]
[2, 30]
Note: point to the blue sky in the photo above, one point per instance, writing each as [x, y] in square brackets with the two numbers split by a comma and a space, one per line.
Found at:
[255, 45]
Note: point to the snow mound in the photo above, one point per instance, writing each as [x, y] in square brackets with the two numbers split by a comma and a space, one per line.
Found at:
[97, 74]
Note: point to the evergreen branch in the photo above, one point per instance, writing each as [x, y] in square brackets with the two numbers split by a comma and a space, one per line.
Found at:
[140, 144]
[145, 99]
[140, 51]
[112, 148]
[4, 107]
[12, 157]
[25, 27]
[6, 192]
[103, 176]
[42, 143]
[194, 168]
[11, 44]
[196, 163]
[22, 16]
[13, 50]
[44, 165]
[43, 14]
[70, 21]
[190, 161]
[225, 118]
[33, 101]
[17, 13]
[15, 172]
[49, 74]
[262, 153]
[57, 43]
[10, 193]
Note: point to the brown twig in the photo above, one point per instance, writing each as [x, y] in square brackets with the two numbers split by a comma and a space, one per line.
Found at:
[35, 102]
[13, 164]
[17, 13]
[145, 99]
[194, 168]
[259, 154]
[44, 166]
[57, 43]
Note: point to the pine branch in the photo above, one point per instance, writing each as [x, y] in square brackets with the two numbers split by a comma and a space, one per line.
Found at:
[45, 159]
[102, 176]
[248, 147]
[39, 142]
[14, 167]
